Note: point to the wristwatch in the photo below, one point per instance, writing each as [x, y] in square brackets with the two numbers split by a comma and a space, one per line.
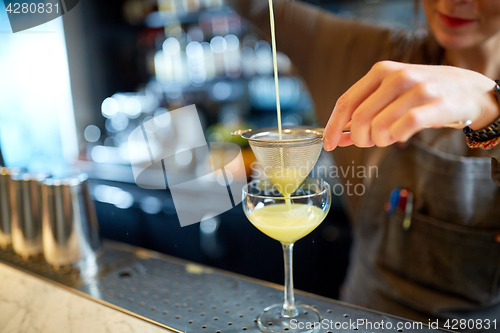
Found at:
[490, 132]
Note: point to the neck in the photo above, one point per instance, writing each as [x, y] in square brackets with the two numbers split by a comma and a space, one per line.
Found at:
[483, 59]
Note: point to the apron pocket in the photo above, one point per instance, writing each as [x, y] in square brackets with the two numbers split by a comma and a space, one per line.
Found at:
[459, 260]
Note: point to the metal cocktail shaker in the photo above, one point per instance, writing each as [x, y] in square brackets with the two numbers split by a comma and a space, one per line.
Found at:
[70, 229]
[5, 206]
[26, 213]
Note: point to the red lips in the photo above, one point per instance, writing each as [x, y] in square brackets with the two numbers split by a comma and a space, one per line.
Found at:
[454, 22]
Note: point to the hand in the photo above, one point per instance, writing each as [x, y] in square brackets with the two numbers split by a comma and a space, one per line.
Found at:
[393, 101]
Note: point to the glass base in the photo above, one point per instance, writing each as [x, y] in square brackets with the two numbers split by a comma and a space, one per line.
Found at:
[271, 320]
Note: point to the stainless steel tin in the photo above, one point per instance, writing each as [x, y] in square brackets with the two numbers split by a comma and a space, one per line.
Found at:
[26, 213]
[70, 229]
[5, 206]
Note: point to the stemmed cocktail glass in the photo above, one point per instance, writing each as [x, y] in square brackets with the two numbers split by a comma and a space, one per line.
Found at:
[287, 220]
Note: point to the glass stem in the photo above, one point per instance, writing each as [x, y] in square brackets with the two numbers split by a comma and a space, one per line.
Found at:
[289, 309]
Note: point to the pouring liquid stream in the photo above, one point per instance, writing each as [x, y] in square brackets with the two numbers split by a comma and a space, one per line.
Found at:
[275, 65]
[280, 183]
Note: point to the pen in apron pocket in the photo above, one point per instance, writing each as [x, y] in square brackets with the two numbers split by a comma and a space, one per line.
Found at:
[393, 201]
[406, 205]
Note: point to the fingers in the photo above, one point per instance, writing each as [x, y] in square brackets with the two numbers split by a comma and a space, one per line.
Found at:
[338, 119]
[382, 122]
[393, 101]
[386, 96]
[345, 140]
[417, 119]
[349, 102]
[346, 105]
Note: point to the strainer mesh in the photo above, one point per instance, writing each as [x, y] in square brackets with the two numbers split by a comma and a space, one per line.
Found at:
[287, 162]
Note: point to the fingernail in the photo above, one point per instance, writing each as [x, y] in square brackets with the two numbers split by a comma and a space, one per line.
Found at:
[326, 144]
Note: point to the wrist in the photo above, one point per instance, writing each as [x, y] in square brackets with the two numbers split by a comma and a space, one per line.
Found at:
[490, 133]
[490, 108]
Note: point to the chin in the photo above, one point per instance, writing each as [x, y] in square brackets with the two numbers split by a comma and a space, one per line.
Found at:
[454, 42]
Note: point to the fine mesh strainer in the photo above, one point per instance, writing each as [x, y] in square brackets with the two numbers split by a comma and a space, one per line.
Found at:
[288, 161]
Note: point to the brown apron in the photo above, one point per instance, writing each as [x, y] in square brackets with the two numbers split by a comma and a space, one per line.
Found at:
[447, 264]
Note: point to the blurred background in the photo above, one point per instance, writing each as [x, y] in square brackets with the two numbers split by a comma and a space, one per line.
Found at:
[73, 89]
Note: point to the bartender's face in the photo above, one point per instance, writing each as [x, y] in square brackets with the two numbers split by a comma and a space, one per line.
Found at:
[462, 24]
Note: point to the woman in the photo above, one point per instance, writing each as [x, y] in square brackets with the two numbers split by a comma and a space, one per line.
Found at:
[391, 87]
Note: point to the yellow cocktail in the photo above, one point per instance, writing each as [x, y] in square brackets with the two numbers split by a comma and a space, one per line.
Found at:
[287, 223]
[286, 219]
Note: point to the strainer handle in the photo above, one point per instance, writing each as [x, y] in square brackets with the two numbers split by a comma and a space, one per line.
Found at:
[458, 124]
